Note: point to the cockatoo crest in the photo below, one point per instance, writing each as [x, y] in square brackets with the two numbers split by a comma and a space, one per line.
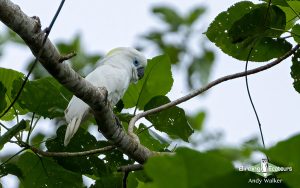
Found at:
[115, 72]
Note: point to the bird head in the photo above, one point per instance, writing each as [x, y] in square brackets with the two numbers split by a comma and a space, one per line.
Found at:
[134, 60]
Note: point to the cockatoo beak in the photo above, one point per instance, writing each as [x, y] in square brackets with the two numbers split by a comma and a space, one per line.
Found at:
[140, 72]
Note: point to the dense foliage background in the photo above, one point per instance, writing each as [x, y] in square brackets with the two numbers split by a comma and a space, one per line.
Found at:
[244, 27]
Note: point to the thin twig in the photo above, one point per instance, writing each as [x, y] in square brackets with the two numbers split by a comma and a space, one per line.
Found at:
[67, 57]
[30, 127]
[129, 168]
[124, 180]
[207, 87]
[70, 154]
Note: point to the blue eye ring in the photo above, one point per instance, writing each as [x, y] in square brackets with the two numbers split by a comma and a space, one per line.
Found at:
[136, 63]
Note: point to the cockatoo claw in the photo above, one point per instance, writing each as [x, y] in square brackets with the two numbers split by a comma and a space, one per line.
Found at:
[104, 91]
[118, 122]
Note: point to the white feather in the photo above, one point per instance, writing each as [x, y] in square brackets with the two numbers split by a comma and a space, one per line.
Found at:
[115, 73]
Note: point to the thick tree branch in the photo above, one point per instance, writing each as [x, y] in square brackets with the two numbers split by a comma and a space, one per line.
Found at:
[29, 30]
[207, 87]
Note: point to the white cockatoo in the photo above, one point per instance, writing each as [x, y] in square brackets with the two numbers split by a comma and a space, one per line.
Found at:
[115, 72]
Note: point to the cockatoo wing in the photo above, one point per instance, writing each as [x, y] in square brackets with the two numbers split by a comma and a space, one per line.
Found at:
[114, 79]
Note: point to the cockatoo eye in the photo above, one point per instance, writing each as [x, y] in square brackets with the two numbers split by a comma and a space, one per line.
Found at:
[136, 63]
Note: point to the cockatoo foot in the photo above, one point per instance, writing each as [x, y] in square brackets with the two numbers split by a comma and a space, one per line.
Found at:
[104, 91]
[118, 122]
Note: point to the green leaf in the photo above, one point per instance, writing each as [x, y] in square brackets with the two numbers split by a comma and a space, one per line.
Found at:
[91, 165]
[197, 120]
[7, 78]
[286, 154]
[44, 172]
[187, 168]
[194, 15]
[295, 70]
[82, 141]
[12, 132]
[156, 81]
[2, 97]
[10, 168]
[200, 68]
[296, 33]
[218, 33]
[149, 141]
[171, 121]
[113, 181]
[291, 11]
[169, 15]
[49, 100]
[278, 2]
[251, 25]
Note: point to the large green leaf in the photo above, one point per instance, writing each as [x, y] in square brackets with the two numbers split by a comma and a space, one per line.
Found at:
[250, 26]
[113, 181]
[156, 81]
[44, 172]
[82, 141]
[45, 97]
[149, 141]
[237, 179]
[295, 71]
[287, 154]
[278, 2]
[7, 78]
[10, 168]
[171, 121]
[291, 10]
[218, 32]
[187, 168]
[90, 165]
